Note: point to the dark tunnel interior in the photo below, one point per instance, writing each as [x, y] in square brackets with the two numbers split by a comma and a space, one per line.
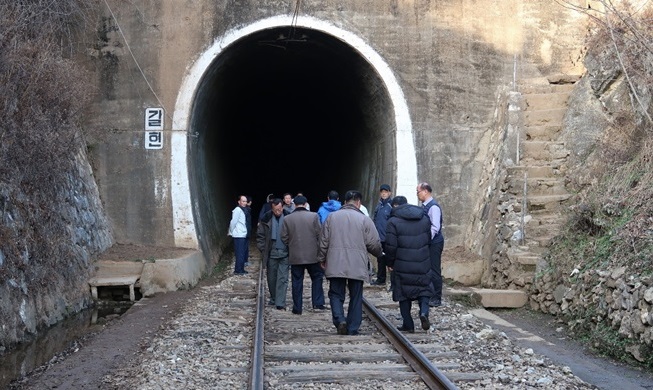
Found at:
[285, 110]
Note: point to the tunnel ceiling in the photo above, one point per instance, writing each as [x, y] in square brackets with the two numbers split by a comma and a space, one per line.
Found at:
[284, 110]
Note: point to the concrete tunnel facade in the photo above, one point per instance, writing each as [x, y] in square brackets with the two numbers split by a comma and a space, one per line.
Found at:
[284, 105]
[390, 92]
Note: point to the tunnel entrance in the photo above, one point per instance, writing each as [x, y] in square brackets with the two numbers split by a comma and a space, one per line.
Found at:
[288, 108]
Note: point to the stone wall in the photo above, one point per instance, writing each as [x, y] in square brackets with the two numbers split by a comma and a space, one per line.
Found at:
[44, 291]
[612, 297]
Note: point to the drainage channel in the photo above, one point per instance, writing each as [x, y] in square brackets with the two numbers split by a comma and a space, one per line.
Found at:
[57, 340]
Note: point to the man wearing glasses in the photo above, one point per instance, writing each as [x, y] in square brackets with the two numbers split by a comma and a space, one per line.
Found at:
[433, 210]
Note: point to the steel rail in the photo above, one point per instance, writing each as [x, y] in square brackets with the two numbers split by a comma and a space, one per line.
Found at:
[256, 377]
[430, 374]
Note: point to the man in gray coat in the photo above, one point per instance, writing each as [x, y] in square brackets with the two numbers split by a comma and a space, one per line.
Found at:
[346, 239]
[301, 231]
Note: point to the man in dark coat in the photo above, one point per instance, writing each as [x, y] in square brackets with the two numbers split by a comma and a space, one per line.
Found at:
[301, 232]
[407, 239]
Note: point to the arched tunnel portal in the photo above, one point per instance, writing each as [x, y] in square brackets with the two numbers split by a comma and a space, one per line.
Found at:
[287, 109]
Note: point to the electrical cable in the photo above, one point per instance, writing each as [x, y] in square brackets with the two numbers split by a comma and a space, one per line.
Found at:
[136, 62]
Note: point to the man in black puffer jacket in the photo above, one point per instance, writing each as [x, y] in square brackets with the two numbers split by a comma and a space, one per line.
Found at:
[407, 239]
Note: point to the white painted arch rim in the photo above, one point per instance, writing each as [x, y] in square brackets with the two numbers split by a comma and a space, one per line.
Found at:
[183, 221]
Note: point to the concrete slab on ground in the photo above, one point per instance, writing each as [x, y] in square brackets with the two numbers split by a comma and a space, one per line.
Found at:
[492, 298]
[151, 276]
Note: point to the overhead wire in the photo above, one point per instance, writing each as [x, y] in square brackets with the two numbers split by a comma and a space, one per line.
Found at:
[136, 61]
[293, 22]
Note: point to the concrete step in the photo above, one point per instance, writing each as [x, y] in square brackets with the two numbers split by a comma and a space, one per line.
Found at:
[558, 164]
[542, 133]
[564, 79]
[545, 218]
[523, 249]
[546, 202]
[545, 87]
[544, 117]
[542, 205]
[534, 171]
[546, 101]
[538, 243]
[537, 186]
[542, 230]
[543, 151]
[491, 297]
[524, 258]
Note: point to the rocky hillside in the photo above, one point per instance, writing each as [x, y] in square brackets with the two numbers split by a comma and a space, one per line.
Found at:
[591, 172]
[51, 219]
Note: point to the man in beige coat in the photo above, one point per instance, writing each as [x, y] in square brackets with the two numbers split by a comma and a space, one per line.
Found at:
[346, 239]
[301, 231]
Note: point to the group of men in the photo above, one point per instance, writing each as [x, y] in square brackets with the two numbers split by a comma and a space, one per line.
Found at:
[335, 241]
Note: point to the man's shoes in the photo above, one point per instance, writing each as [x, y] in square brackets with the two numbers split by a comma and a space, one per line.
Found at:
[435, 303]
[281, 308]
[378, 283]
[319, 307]
[426, 325]
[241, 273]
[404, 329]
[271, 302]
[296, 312]
[342, 328]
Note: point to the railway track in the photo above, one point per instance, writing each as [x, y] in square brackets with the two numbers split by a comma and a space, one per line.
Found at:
[290, 350]
[222, 341]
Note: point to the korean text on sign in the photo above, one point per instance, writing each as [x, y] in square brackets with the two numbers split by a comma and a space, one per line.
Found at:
[154, 128]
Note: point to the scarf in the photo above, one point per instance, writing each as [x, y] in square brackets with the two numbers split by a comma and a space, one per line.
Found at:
[275, 233]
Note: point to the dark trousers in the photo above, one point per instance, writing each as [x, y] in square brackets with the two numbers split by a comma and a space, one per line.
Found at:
[435, 251]
[354, 318]
[404, 309]
[317, 290]
[240, 250]
[382, 265]
[278, 276]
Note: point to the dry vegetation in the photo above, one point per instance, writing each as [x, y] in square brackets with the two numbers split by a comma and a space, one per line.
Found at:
[613, 221]
[611, 224]
[42, 95]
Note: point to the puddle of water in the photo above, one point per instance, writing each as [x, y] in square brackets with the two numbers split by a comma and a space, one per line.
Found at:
[32, 354]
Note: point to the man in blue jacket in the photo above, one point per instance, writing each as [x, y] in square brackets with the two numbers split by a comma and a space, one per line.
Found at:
[332, 204]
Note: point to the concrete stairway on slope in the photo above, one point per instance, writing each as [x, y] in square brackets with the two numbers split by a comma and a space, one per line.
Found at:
[542, 165]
